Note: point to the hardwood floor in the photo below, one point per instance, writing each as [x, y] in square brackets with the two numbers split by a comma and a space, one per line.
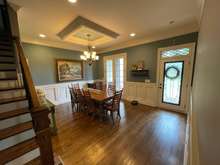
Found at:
[143, 136]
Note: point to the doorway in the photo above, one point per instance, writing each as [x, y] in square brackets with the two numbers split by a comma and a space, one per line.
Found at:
[174, 76]
[115, 70]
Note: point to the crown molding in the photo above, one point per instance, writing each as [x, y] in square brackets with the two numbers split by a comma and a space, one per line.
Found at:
[153, 37]
[54, 44]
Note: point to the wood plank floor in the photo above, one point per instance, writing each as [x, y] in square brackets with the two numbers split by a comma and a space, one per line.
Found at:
[143, 136]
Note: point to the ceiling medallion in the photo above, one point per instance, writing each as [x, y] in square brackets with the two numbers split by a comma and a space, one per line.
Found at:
[89, 56]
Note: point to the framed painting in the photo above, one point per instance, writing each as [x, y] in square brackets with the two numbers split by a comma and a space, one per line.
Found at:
[69, 70]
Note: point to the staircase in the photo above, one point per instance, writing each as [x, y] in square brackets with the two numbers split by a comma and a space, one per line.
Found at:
[24, 124]
[18, 144]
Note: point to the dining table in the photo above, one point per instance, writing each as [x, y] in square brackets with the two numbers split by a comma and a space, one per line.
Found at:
[100, 97]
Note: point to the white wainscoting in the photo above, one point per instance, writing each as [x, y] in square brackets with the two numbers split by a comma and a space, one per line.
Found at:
[144, 93]
[59, 93]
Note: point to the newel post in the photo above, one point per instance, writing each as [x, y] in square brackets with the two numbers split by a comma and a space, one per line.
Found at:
[41, 125]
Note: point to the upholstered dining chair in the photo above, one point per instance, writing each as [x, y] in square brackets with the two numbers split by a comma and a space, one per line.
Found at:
[114, 105]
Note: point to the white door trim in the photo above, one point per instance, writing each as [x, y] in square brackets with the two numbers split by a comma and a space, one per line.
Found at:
[190, 59]
[112, 57]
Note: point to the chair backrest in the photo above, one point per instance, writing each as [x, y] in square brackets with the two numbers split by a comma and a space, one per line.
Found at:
[111, 88]
[99, 85]
[72, 94]
[79, 95]
[117, 99]
[86, 93]
[76, 86]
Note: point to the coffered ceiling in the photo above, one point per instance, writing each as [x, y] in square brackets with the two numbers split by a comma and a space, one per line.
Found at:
[149, 19]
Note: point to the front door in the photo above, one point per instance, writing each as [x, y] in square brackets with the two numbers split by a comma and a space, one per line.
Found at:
[174, 78]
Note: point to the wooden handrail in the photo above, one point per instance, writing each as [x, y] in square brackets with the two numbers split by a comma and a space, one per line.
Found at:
[39, 113]
[27, 74]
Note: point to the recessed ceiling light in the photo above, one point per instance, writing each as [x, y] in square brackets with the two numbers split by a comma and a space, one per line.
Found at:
[42, 36]
[171, 22]
[72, 1]
[132, 34]
[93, 47]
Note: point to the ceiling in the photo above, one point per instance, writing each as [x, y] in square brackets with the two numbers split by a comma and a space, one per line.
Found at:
[149, 19]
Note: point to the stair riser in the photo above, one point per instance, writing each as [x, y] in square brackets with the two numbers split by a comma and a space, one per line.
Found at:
[9, 84]
[13, 106]
[6, 52]
[6, 47]
[12, 94]
[14, 121]
[7, 59]
[8, 75]
[13, 140]
[7, 66]
[25, 158]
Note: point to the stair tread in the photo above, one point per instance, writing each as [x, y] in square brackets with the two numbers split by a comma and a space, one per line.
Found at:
[13, 113]
[12, 88]
[15, 99]
[17, 150]
[35, 161]
[7, 132]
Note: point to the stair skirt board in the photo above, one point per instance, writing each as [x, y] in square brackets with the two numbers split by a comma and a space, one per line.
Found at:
[9, 84]
[13, 106]
[12, 94]
[25, 158]
[14, 121]
[16, 139]
[8, 75]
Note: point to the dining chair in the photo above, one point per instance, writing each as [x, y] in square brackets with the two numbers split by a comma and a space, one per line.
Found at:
[74, 100]
[111, 88]
[104, 86]
[89, 104]
[80, 99]
[114, 105]
[76, 86]
[99, 85]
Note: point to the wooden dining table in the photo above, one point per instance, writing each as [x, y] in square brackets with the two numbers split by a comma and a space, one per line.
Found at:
[100, 97]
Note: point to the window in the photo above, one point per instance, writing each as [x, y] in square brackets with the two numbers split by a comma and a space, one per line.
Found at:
[177, 52]
[109, 71]
[115, 70]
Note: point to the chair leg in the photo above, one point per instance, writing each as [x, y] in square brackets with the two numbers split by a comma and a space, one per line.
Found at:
[77, 107]
[112, 118]
[119, 114]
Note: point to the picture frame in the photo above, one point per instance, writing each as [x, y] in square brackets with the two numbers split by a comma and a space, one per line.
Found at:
[69, 70]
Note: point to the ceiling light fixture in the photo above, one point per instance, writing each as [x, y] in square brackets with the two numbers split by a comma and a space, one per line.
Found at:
[89, 56]
[171, 22]
[132, 34]
[72, 1]
[42, 36]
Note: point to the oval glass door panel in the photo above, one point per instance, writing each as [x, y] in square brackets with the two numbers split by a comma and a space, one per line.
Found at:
[172, 83]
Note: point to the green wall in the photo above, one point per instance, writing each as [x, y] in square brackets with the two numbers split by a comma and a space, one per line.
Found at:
[42, 62]
[43, 68]
[147, 53]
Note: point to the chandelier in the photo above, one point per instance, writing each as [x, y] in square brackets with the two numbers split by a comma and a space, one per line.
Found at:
[89, 56]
